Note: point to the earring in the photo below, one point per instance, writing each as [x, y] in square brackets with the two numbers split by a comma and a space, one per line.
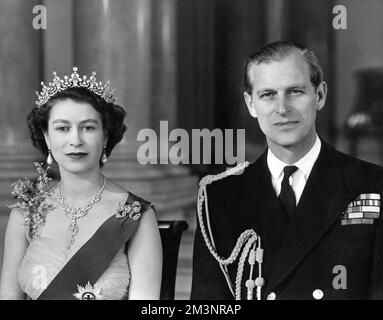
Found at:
[104, 158]
[49, 158]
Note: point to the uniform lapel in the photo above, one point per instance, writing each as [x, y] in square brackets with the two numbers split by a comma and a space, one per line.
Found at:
[322, 201]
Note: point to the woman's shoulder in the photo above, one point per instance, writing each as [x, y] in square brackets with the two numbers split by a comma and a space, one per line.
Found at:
[121, 192]
[16, 224]
[114, 190]
[131, 201]
[17, 216]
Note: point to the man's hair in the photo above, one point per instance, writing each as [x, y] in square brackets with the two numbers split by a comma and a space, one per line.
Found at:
[279, 51]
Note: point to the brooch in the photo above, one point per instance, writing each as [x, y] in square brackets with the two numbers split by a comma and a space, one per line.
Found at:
[32, 198]
[132, 211]
[89, 292]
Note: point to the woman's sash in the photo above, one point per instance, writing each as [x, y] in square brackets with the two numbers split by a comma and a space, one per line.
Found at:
[94, 257]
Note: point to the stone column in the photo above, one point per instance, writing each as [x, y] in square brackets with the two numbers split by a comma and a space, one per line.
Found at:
[132, 43]
[164, 62]
[113, 38]
[20, 74]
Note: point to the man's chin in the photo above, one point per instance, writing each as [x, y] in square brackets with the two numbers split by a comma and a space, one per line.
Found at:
[286, 143]
[294, 144]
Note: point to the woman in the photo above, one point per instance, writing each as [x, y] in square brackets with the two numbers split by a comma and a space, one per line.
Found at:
[87, 237]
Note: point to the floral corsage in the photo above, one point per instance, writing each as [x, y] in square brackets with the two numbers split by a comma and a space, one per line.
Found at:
[32, 197]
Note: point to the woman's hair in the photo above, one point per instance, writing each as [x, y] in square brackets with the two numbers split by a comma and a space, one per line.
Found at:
[112, 117]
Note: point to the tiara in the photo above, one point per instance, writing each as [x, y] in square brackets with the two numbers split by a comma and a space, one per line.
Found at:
[74, 81]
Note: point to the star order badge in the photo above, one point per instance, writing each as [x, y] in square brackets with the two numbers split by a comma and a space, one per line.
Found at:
[132, 211]
[89, 292]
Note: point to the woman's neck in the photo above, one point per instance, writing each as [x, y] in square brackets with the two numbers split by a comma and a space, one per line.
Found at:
[77, 189]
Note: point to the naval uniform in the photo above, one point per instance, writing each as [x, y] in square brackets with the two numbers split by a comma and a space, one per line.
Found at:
[332, 248]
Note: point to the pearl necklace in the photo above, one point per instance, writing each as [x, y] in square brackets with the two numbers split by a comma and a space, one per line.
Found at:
[76, 213]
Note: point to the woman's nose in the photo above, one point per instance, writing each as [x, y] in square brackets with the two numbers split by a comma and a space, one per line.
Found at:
[75, 139]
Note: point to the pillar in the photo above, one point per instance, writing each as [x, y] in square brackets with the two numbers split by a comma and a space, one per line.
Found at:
[132, 44]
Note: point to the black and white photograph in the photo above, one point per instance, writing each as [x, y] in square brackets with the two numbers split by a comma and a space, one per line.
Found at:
[206, 151]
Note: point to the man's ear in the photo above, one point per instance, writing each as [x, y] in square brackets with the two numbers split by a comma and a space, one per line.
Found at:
[46, 137]
[250, 104]
[321, 95]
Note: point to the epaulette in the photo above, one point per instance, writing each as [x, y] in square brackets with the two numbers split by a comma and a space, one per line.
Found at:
[235, 170]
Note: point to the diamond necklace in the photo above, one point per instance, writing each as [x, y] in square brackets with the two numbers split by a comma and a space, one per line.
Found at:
[76, 213]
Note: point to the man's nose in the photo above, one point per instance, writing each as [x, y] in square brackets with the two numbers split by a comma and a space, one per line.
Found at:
[283, 105]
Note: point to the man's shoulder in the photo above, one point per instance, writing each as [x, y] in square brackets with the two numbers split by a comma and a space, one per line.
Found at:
[233, 180]
[351, 162]
[226, 179]
[358, 170]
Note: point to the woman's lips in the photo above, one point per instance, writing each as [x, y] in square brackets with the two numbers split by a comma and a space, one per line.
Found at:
[77, 155]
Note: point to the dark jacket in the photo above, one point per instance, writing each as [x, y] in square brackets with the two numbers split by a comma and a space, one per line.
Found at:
[300, 255]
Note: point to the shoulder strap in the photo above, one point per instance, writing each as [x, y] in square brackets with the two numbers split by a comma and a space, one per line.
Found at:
[144, 203]
[232, 171]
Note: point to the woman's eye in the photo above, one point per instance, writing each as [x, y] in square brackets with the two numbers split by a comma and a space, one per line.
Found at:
[89, 128]
[62, 129]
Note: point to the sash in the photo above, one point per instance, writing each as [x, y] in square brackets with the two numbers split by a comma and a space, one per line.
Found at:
[94, 257]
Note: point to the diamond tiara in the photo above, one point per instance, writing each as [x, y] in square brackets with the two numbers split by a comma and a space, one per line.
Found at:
[74, 81]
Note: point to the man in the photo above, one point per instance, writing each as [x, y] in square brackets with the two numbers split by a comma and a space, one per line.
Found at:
[315, 209]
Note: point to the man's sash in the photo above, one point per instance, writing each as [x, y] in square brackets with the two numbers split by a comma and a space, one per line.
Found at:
[94, 257]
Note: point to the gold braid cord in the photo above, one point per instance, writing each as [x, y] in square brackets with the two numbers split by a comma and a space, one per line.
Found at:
[246, 242]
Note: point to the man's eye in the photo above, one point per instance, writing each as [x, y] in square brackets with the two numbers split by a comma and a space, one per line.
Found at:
[266, 95]
[296, 92]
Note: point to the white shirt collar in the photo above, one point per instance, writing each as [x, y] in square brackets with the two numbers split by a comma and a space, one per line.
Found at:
[305, 164]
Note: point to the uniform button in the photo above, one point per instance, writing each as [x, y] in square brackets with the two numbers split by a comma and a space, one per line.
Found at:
[271, 296]
[318, 294]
